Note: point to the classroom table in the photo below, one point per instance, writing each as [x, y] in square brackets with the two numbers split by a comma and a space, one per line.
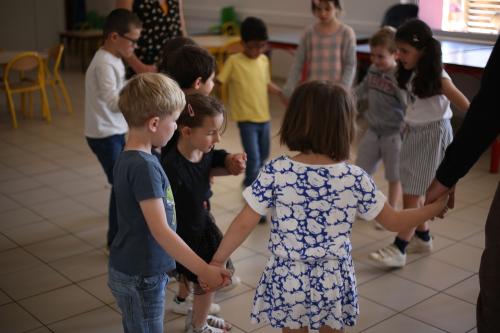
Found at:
[214, 43]
[86, 43]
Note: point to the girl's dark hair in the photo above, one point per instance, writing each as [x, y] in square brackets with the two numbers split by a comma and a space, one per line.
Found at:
[170, 47]
[336, 3]
[428, 72]
[197, 108]
[320, 119]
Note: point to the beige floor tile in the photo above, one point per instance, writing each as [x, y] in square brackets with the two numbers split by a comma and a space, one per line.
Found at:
[16, 260]
[19, 185]
[242, 253]
[34, 232]
[258, 240]
[98, 200]
[474, 330]
[8, 174]
[236, 310]
[4, 298]
[402, 323]
[42, 329]
[38, 168]
[17, 217]
[95, 236]
[58, 248]
[460, 255]
[82, 266]
[15, 319]
[60, 207]
[455, 229]
[6, 244]
[64, 303]
[36, 196]
[225, 294]
[79, 221]
[432, 273]
[365, 272]
[370, 313]
[472, 214]
[102, 320]
[467, 290]
[32, 281]
[445, 312]
[6, 203]
[250, 269]
[359, 240]
[476, 240]
[98, 286]
[268, 329]
[377, 291]
[60, 176]
[76, 187]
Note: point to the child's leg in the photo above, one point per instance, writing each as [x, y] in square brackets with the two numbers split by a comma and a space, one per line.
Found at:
[183, 291]
[264, 142]
[250, 142]
[201, 305]
[328, 329]
[141, 302]
[411, 201]
[297, 330]
[395, 193]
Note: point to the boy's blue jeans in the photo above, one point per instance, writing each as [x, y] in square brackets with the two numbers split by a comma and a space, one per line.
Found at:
[107, 151]
[141, 300]
[255, 138]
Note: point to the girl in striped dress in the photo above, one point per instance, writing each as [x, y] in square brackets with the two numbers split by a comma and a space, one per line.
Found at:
[428, 131]
[327, 50]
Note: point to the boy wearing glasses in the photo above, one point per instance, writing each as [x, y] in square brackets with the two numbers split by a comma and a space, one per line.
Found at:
[248, 80]
[105, 126]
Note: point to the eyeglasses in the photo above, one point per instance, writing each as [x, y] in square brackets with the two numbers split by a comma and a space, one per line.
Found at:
[133, 41]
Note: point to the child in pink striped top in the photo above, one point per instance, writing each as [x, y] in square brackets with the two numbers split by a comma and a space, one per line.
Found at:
[327, 49]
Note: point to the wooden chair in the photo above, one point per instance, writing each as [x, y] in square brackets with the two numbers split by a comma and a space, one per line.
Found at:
[53, 77]
[24, 85]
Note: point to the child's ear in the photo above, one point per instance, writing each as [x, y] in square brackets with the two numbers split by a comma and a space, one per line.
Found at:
[197, 83]
[185, 130]
[152, 124]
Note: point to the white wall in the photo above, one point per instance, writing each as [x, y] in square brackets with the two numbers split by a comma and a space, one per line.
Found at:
[30, 24]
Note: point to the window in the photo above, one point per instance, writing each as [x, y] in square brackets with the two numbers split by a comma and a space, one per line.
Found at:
[470, 16]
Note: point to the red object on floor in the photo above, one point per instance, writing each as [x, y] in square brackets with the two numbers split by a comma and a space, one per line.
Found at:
[495, 156]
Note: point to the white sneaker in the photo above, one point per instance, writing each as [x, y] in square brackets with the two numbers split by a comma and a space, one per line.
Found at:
[235, 281]
[389, 256]
[212, 321]
[184, 307]
[205, 329]
[418, 245]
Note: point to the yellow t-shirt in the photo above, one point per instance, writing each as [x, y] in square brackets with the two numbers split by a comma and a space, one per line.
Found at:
[247, 81]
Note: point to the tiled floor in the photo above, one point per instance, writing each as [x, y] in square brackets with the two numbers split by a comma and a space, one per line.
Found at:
[53, 203]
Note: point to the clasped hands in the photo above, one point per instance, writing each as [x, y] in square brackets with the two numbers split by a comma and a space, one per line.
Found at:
[215, 277]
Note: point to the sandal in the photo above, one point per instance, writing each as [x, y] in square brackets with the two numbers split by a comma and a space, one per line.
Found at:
[204, 329]
[217, 322]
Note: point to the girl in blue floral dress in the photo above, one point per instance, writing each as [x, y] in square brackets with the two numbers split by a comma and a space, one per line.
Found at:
[313, 198]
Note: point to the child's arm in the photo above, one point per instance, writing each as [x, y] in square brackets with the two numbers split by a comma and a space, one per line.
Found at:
[156, 219]
[238, 231]
[138, 66]
[348, 59]
[275, 90]
[454, 95]
[294, 75]
[397, 221]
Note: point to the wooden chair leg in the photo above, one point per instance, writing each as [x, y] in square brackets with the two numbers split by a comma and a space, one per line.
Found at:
[30, 104]
[67, 100]
[12, 110]
[45, 105]
[57, 100]
[22, 98]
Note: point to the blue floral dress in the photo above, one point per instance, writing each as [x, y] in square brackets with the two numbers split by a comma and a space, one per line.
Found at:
[309, 280]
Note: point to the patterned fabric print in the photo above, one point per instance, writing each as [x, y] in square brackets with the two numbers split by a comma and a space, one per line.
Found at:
[325, 56]
[310, 280]
[157, 27]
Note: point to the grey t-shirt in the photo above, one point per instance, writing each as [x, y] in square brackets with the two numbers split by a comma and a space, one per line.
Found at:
[386, 101]
[139, 176]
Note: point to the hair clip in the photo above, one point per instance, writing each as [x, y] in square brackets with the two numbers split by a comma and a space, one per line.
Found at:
[190, 110]
[415, 38]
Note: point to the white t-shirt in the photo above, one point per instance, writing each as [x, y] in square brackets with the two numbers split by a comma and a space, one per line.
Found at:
[421, 111]
[104, 79]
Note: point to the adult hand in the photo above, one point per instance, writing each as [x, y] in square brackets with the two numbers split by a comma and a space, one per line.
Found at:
[437, 190]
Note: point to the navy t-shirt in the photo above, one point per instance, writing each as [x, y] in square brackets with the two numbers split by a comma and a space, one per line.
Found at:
[138, 176]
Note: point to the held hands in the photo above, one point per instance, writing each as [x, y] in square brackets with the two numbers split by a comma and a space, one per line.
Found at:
[236, 163]
[437, 191]
[214, 277]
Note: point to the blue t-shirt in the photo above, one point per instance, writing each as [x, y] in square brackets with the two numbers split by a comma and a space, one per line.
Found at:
[138, 176]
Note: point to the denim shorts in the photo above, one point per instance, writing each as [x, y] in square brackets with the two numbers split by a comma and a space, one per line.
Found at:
[141, 300]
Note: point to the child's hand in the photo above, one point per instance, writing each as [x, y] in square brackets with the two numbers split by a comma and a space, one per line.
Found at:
[440, 205]
[236, 163]
[214, 277]
[284, 100]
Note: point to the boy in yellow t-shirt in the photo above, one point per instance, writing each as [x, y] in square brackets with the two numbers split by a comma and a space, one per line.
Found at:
[248, 80]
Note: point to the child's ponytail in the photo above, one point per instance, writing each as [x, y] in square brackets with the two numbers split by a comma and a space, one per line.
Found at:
[428, 71]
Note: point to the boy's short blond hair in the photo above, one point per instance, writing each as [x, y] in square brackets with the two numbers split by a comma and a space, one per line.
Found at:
[150, 95]
[385, 38]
